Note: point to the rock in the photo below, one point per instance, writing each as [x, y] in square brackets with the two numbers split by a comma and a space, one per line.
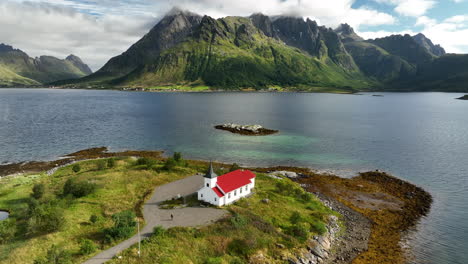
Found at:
[465, 97]
[266, 201]
[252, 130]
[288, 174]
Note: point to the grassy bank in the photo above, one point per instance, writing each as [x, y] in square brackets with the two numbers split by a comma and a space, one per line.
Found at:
[271, 225]
[120, 188]
[268, 227]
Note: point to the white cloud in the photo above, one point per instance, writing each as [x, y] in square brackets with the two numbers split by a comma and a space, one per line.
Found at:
[425, 21]
[414, 8]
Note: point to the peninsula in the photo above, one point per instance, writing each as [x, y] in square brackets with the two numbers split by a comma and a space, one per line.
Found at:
[249, 130]
[79, 196]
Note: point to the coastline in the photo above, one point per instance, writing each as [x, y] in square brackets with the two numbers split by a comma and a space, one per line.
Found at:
[365, 239]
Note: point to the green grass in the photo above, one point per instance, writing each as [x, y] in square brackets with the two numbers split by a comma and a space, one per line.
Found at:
[180, 88]
[119, 189]
[260, 227]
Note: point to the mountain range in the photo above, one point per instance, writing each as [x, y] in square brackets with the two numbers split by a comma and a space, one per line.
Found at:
[186, 49]
[18, 69]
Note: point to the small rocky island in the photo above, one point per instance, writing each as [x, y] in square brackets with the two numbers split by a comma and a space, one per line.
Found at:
[249, 130]
[465, 97]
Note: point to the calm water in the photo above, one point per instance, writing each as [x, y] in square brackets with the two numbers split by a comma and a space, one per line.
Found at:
[421, 137]
[3, 215]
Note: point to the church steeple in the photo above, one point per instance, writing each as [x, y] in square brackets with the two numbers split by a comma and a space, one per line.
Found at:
[210, 174]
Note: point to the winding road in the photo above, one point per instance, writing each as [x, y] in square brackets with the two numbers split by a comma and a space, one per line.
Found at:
[189, 216]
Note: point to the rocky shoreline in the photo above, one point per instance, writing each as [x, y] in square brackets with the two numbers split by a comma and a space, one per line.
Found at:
[248, 130]
[465, 97]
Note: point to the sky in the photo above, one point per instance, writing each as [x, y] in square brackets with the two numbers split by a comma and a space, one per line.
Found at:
[96, 30]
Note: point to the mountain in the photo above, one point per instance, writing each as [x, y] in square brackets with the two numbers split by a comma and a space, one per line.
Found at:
[231, 53]
[18, 69]
[189, 50]
[435, 50]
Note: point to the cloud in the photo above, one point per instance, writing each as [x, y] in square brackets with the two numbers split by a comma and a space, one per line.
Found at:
[425, 21]
[413, 8]
[58, 30]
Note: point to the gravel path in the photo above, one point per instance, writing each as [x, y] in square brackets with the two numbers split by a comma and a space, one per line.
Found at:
[154, 216]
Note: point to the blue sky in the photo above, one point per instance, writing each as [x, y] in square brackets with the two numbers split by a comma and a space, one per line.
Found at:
[97, 30]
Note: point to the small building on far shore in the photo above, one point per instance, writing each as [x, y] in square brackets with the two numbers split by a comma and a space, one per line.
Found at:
[227, 188]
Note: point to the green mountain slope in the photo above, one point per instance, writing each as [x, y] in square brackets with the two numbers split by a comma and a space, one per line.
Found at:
[233, 53]
[35, 71]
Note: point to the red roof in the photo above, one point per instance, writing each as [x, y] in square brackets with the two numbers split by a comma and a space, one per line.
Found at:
[234, 180]
[218, 191]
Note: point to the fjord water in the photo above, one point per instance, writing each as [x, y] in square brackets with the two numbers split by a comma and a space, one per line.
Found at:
[420, 137]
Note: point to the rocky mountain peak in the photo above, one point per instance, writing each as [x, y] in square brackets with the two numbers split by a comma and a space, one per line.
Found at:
[426, 43]
[6, 48]
[79, 64]
[347, 34]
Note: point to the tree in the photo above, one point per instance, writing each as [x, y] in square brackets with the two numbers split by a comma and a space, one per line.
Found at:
[234, 167]
[78, 189]
[38, 191]
[46, 218]
[177, 156]
[7, 230]
[111, 163]
[101, 164]
[170, 164]
[55, 255]
[87, 247]
[124, 226]
[76, 168]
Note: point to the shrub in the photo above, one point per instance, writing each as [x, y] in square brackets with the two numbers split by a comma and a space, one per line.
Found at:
[55, 255]
[300, 231]
[159, 231]
[238, 221]
[234, 167]
[38, 191]
[76, 168]
[87, 247]
[7, 230]
[170, 164]
[78, 189]
[236, 261]
[177, 156]
[46, 218]
[216, 260]
[240, 247]
[101, 164]
[296, 218]
[146, 162]
[111, 163]
[124, 226]
[318, 227]
[94, 218]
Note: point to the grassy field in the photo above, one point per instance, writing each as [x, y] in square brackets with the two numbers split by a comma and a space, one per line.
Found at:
[120, 188]
[267, 227]
[275, 221]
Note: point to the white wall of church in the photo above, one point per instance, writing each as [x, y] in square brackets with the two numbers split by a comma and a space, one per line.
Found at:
[208, 195]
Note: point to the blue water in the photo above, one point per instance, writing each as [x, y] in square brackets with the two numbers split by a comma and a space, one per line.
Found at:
[420, 137]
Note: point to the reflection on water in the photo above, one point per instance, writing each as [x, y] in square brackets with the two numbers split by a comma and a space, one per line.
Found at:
[420, 137]
[3, 215]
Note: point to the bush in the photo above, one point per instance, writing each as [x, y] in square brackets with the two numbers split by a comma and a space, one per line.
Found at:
[240, 247]
[124, 226]
[87, 247]
[7, 230]
[101, 164]
[159, 231]
[46, 218]
[78, 189]
[38, 191]
[170, 164]
[55, 255]
[111, 163]
[300, 231]
[217, 260]
[238, 221]
[76, 168]
[146, 162]
[234, 167]
[296, 218]
[318, 227]
[177, 157]
[93, 219]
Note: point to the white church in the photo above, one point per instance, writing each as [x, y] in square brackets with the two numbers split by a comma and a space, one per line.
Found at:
[227, 188]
